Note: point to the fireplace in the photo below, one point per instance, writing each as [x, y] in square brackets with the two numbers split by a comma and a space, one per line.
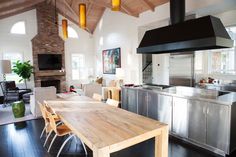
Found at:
[48, 45]
[55, 83]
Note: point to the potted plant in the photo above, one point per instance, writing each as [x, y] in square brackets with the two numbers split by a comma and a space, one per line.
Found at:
[23, 70]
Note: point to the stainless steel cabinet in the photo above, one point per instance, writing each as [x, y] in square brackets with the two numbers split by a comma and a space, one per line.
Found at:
[164, 110]
[218, 126]
[197, 120]
[132, 100]
[124, 98]
[142, 102]
[180, 117]
[202, 122]
[152, 105]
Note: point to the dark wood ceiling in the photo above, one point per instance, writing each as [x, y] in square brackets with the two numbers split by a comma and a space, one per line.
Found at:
[69, 8]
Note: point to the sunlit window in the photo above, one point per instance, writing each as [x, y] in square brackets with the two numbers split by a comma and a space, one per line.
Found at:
[223, 60]
[18, 28]
[77, 65]
[72, 33]
[217, 61]
[198, 62]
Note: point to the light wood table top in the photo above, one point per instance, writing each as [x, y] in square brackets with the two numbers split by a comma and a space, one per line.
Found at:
[106, 129]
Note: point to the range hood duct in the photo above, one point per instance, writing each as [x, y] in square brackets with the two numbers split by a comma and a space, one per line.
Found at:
[177, 11]
[203, 33]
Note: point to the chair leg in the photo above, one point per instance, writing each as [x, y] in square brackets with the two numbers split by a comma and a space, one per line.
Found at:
[44, 129]
[47, 138]
[85, 150]
[59, 123]
[62, 146]
[52, 142]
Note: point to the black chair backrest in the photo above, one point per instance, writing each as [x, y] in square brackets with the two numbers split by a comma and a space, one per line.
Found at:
[8, 85]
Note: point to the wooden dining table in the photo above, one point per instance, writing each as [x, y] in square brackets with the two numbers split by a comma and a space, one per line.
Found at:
[106, 129]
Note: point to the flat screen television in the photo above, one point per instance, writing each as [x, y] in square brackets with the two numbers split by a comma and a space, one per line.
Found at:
[50, 61]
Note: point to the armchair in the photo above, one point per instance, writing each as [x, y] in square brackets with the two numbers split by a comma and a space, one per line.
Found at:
[11, 92]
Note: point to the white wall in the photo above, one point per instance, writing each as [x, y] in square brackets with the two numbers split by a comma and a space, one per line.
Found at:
[118, 30]
[18, 43]
[83, 45]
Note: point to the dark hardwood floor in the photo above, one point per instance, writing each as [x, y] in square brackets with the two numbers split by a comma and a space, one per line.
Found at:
[22, 140]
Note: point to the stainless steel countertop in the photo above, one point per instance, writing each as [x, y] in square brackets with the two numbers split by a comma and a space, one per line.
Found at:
[194, 94]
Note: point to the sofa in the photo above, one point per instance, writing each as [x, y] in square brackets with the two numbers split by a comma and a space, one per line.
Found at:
[39, 95]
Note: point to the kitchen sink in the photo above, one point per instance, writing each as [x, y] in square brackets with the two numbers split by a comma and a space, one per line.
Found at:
[220, 93]
[155, 86]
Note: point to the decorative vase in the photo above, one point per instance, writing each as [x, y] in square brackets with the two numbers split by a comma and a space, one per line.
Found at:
[18, 109]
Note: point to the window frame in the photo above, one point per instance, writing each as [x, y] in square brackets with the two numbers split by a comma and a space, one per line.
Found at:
[19, 33]
[77, 36]
[207, 62]
[79, 68]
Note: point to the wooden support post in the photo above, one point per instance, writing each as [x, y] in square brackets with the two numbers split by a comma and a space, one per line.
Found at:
[101, 153]
[161, 143]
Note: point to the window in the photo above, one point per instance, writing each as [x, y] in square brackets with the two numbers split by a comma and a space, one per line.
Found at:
[18, 28]
[72, 33]
[223, 60]
[13, 57]
[198, 62]
[77, 65]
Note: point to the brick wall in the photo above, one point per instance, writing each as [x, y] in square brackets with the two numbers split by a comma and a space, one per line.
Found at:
[47, 41]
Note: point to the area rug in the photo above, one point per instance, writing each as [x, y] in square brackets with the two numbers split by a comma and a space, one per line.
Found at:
[7, 117]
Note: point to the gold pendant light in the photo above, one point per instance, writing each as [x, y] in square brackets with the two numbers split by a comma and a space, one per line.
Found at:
[82, 15]
[116, 5]
[65, 28]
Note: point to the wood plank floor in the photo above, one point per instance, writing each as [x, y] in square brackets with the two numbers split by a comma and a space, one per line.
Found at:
[22, 140]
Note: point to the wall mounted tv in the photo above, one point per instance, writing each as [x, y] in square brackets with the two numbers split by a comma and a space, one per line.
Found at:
[50, 61]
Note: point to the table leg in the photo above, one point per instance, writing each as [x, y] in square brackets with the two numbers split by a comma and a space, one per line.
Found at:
[101, 153]
[161, 143]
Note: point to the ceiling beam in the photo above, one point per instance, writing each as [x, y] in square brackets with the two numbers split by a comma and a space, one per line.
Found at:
[7, 3]
[15, 12]
[10, 10]
[89, 8]
[124, 8]
[68, 17]
[100, 17]
[101, 4]
[127, 10]
[149, 5]
[65, 4]
[73, 3]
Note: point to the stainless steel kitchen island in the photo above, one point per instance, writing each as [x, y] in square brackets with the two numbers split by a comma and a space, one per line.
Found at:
[202, 117]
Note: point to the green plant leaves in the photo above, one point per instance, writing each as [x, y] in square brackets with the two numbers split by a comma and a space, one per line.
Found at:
[23, 70]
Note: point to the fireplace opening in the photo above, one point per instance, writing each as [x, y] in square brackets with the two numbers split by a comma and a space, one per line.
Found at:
[48, 83]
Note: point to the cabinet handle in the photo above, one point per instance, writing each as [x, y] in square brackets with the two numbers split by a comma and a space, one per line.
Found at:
[208, 110]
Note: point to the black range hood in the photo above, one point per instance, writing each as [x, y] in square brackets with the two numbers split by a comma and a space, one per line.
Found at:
[203, 33]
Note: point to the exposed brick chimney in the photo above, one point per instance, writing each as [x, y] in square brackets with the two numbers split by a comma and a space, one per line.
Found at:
[48, 41]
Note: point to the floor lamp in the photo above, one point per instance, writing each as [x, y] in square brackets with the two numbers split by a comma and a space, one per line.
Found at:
[5, 68]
